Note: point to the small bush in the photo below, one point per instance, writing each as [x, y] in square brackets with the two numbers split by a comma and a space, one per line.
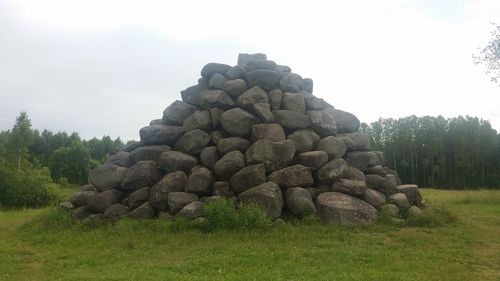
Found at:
[431, 217]
[224, 214]
[26, 188]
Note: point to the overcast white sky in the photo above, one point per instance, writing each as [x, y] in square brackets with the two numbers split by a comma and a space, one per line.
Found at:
[108, 67]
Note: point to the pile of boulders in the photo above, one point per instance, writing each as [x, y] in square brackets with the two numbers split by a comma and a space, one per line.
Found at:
[253, 132]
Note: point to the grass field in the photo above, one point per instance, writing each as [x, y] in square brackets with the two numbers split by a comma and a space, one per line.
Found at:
[41, 245]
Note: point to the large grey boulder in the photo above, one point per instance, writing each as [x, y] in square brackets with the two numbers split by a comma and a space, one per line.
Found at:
[305, 139]
[291, 82]
[82, 198]
[192, 95]
[291, 120]
[346, 122]
[358, 141]
[222, 189]
[261, 64]
[354, 174]
[192, 210]
[116, 211]
[143, 173]
[144, 211]
[308, 85]
[217, 81]
[375, 198]
[160, 134]
[193, 142]
[334, 207]
[292, 176]
[215, 98]
[102, 201]
[332, 171]
[312, 159]
[209, 156]
[263, 112]
[226, 145]
[362, 159]
[312, 102]
[380, 184]
[177, 200]
[414, 211]
[274, 155]
[107, 176]
[200, 181]
[275, 97]
[198, 120]
[79, 213]
[334, 146]
[237, 122]
[229, 164]
[390, 210]
[293, 102]
[244, 59]
[322, 122]
[400, 200]
[412, 193]
[175, 113]
[138, 197]
[250, 97]
[213, 68]
[235, 72]
[215, 114]
[121, 158]
[171, 182]
[272, 132]
[172, 161]
[248, 177]
[235, 87]
[267, 195]
[351, 187]
[150, 152]
[299, 201]
[131, 145]
[266, 79]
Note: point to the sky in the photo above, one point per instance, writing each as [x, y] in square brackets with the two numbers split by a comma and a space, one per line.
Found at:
[109, 67]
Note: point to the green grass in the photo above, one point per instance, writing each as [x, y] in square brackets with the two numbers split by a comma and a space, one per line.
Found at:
[459, 240]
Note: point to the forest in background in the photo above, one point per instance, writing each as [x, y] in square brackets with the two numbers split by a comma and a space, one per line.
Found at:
[457, 153]
[34, 164]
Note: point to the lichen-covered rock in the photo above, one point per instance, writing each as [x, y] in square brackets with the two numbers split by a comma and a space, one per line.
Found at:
[332, 171]
[322, 122]
[312, 159]
[272, 132]
[237, 122]
[160, 134]
[412, 193]
[334, 146]
[102, 201]
[400, 200]
[375, 198]
[351, 187]
[177, 200]
[267, 195]
[138, 197]
[226, 145]
[121, 158]
[192, 210]
[305, 140]
[291, 120]
[146, 153]
[172, 161]
[346, 122]
[193, 142]
[274, 155]
[380, 184]
[107, 176]
[143, 173]
[171, 182]
[299, 201]
[293, 102]
[177, 112]
[198, 120]
[200, 181]
[144, 211]
[116, 211]
[293, 176]
[229, 164]
[209, 156]
[334, 207]
[248, 177]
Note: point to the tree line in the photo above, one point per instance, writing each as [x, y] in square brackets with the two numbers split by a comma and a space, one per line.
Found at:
[460, 152]
[32, 161]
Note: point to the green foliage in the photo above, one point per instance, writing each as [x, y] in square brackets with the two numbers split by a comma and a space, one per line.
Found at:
[462, 152]
[27, 187]
[223, 214]
[431, 217]
[489, 55]
[71, 163]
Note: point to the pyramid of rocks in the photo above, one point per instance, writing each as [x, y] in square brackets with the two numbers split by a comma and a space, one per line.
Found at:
[253, 132]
